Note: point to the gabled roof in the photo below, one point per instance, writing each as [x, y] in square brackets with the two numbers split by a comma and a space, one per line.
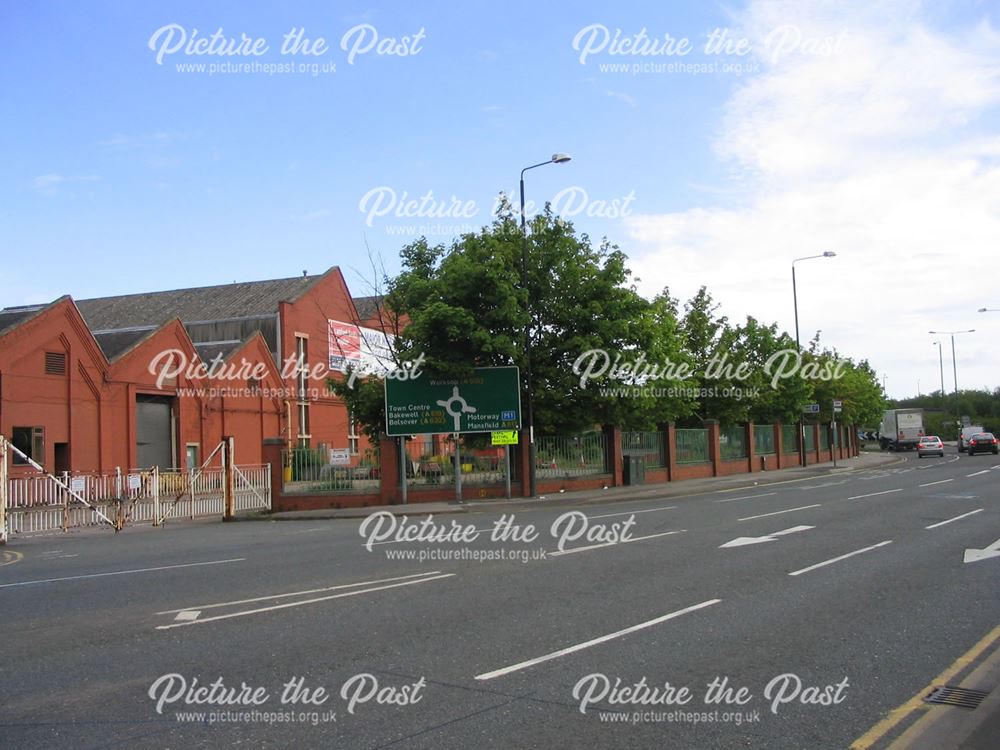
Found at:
[368, 307]
[226, 301]
[12, 317]
[116, 343]
[212, 350]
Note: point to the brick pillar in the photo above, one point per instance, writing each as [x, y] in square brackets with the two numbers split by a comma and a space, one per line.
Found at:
[388, 454]
[613, 445]
[670, 446]
[271, 454]
[714, 448]
[779, 445]
[752, 461]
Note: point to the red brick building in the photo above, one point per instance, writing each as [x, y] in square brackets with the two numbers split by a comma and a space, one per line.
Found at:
[157, 379]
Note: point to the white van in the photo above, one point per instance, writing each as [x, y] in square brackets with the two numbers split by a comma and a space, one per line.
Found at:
[963, 438]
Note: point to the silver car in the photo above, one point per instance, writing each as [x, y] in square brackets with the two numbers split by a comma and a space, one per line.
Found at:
[930, 445]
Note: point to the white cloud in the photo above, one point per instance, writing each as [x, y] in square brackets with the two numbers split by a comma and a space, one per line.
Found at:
[622, 97]
[870, 150]
[49, 182]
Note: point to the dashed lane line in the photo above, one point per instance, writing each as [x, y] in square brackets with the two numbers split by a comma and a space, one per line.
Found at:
[838, 559]
[956, 518]
[779, 512]
[596, 641]
[874, 494]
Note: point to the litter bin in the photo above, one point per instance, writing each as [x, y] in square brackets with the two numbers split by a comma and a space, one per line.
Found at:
[634, 470]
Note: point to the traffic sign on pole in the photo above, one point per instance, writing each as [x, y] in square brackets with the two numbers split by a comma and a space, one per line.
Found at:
[488, 401]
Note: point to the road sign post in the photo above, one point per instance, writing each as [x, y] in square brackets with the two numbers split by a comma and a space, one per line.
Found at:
[487, 401]
[506, 438]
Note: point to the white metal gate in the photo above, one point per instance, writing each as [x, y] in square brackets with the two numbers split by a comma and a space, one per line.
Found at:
[42, 502]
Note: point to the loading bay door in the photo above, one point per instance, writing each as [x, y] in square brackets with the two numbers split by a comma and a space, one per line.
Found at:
[154, 432]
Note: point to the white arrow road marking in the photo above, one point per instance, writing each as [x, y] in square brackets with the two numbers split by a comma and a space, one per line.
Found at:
[188, 615]
[956, 518]
[745, 540]
[286, 605]
[973, 555]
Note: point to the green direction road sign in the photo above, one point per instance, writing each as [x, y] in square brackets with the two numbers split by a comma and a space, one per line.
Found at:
[488, 401]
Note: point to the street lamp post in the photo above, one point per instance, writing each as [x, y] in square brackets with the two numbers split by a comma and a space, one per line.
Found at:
[556, 159]
[988, 309]
[798, 347]
[795, 293]
[954, 365]
[941, 365]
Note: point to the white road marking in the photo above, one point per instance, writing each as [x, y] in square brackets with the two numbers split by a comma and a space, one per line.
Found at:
[824, 484]
[941, 481]
[873, 494]
[188, 615]
[307, 531]
[974, 555]
[272, 597]
[630, 512]
[838, 559]
[745, 497]
[405, 541]
[743, 541]
[978, 473]
[557, 553]
[956, 518]
[299, 604]
[779, 512]
[122, 572]
[594, 642]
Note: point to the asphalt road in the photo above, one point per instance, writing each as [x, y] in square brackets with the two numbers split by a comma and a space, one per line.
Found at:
[814, 607]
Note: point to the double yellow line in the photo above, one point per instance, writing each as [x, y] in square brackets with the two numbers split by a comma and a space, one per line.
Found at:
[916, 703]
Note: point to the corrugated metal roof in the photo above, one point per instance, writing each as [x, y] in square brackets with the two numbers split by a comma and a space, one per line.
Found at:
[226, 301]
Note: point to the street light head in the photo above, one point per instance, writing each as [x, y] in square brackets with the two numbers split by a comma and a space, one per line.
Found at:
[982, 309]
[560, 158]
[829, 254]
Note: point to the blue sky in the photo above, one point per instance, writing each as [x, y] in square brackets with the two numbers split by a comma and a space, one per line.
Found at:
[123, 175]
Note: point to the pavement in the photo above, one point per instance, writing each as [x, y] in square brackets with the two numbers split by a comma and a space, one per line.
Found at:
[685, 488]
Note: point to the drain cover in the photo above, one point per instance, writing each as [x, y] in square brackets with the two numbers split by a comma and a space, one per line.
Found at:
[949, 695]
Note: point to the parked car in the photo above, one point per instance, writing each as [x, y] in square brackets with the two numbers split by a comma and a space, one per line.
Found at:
[984, 442]
[930, 445]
